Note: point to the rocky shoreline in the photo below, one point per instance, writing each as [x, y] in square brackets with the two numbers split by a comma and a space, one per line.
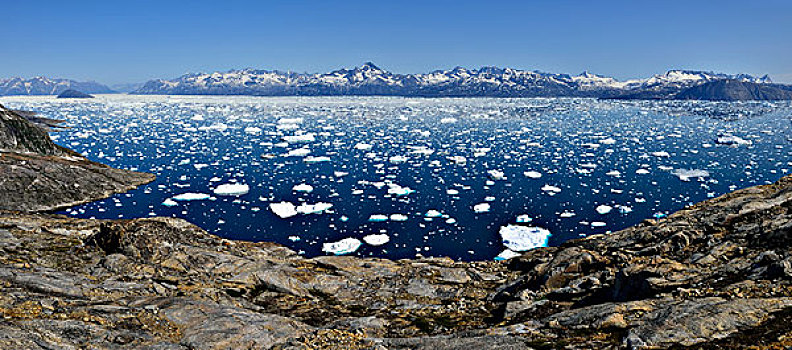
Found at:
[716, 275]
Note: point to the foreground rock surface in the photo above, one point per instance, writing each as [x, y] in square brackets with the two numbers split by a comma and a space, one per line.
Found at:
[716, 275]
[38, 175]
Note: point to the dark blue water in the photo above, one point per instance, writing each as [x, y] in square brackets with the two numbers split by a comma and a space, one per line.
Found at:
[162, 135]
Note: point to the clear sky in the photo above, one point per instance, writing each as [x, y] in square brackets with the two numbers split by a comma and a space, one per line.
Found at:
[133, 41]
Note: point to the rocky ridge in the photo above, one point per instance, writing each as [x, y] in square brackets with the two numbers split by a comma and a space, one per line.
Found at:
[38, 175]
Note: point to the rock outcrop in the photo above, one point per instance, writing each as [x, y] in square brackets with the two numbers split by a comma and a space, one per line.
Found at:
[38, 175]
[71, 93]
[714, 275]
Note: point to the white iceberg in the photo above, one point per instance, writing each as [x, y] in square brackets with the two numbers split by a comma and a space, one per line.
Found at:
[687, 174]
[521, 238]
[283, 209]
[378, 218]
[481, 208]
[317, 208]
[532, 174]
[604, 209]
[376, 240]
[305, 188]
[231, 189]
[191, 197]
[344, 246]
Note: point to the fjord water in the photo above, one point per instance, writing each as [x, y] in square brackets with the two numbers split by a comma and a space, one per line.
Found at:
[615, 163]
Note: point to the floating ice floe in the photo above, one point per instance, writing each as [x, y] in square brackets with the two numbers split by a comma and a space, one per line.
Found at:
[448, 120]
[399, 190]
[304, 188]
[566, 214]
[169, 203]
[317, 208]
[521, 238]
[305, 138]
[731, 140]
[398, 217]
[363, 146]
[551, 189]
[300, 152]
[687, 174]
[507, 254]
[231, 189]
[191, 197]
[378, 218]
[661, 154]
[344, 246]
[314, 160]
[431, 213]
[397, 159]
[496, 174]
[376, 240]
[459, 160]
[604, 209]
[290, 121]
[598, 224]
[481, 208]
[642, 171]
[524, 219]
[252, 130]
[532, 174]
[283, 209]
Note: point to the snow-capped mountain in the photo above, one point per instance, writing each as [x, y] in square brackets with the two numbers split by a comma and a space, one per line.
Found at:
[47, 86]
[369, 79]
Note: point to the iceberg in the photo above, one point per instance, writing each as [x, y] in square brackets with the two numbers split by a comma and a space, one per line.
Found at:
[252, 130]
[532, 174]
[496, 175]
[550, 189]
[431, 213]
[376, 240]
[481, 208]
[314, 160]
[397, 159]
[305, 188]
[169, 203]
[317, 208]
[398, 217]
[507, 254]
[687, 174]
[191, 197]
[363, 146]
[378, 218]
[300, 152]
[731, 140]
[231, 189]
[524, 219]
[344, 246]
[305, 138]
[521, 238]
[604, 209]
[283, 210]
[399, 191]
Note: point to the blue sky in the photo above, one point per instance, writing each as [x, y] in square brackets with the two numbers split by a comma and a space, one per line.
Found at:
[133, 41]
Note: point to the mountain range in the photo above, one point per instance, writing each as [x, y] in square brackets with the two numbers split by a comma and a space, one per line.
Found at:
[49, 86]
[370, 80]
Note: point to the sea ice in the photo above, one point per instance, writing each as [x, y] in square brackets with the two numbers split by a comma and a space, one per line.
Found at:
[376, 240]
[687, 174]
[604, 209]
[231, 189]
[532, 174]
[521, 238]
[305, 188]
[191, 197]
[481, 208]
[317, 208]
[378, 218]
[344, 246]
[283, 209]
